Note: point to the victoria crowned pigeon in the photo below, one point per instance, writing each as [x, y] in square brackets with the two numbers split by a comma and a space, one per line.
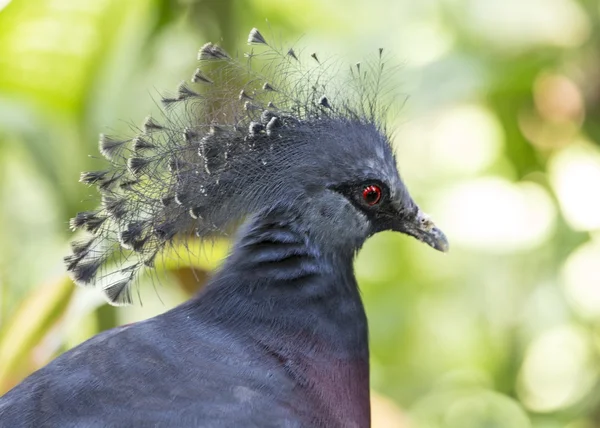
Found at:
[278, 336]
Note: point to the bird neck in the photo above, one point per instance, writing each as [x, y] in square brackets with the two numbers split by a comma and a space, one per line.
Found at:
[278, 282]
[299, 308]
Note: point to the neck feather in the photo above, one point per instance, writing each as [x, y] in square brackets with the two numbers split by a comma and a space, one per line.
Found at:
[276, 281]
[301, 308]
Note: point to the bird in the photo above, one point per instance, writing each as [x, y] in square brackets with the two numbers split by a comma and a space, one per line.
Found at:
[272, 148]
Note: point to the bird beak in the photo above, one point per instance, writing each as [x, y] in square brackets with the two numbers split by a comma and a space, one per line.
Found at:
[423, 228]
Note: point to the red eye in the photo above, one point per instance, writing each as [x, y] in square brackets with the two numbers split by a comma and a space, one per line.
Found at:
[371, 194]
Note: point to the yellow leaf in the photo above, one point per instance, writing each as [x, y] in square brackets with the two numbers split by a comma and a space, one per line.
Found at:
[36, 315]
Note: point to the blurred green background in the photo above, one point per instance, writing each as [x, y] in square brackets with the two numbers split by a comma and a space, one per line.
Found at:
[498, 140]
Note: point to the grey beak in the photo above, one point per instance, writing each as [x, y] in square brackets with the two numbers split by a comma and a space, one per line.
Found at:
[423, 228]
[436, 239]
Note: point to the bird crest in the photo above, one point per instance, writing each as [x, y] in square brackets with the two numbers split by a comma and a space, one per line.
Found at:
[226, 145]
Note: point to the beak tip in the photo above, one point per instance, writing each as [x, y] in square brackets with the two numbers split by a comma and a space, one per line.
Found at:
[423, 229]
[443, 246]
[439, 241]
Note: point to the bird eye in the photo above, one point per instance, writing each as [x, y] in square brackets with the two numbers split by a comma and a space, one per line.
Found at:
[371, 194]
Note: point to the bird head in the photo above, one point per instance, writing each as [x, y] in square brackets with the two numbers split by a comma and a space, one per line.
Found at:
[245, 140]
[340, 181]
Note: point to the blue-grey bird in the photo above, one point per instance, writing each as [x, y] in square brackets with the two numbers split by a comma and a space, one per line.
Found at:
[278, 337]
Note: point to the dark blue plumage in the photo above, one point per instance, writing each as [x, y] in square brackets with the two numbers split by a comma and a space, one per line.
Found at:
[278, 337]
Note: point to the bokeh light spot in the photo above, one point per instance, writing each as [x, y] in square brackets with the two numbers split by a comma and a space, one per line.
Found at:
[519, 24]
[466, 139]
[581, 279]
[557, 98]
[4, 3]
[575, 176]
[557, 370]
[496, 215]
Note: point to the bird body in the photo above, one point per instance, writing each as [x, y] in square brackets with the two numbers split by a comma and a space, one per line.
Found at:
[238, 354]
[278, 337]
